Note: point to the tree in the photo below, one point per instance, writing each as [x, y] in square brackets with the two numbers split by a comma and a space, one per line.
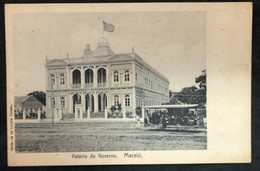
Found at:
[193, 95]
[41, 96]
[202, 79]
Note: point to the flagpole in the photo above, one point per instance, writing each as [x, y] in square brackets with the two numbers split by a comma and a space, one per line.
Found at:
[103, 26]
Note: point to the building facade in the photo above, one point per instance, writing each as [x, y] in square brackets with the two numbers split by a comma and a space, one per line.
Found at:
[101, 79]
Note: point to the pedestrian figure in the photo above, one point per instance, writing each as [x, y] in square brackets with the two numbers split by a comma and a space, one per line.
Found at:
[146, 119]
[137, 121]
[164, 120]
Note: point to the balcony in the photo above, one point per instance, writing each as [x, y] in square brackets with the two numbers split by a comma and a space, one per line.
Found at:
[102, 84]
[75, 85]
[87, 85]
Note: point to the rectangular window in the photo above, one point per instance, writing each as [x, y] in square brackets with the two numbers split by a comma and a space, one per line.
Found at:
[62, 80]
[52, 81]
[62, 102]
[116, 100]
[127, 76]
[52, 102]
[116, 78]
[127, 100]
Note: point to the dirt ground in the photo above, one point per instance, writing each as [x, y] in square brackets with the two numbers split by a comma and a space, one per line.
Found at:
[105, 136]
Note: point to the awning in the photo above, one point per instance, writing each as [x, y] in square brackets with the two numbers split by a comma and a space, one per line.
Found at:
[172, 106]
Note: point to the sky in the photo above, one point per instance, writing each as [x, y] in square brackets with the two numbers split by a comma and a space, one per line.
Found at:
[174, 43]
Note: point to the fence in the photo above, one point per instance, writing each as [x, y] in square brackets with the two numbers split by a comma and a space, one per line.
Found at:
[34, 115]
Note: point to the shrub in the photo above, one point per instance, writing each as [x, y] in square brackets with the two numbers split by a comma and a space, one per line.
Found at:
[119, 107]
[129, 114]
[43, 115]
[138, 111]
[116, 112]
[113, 108]
[109, 115]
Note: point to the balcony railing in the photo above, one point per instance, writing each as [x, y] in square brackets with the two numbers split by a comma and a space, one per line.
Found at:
[87, 85]
[102, 84]
[75, 85]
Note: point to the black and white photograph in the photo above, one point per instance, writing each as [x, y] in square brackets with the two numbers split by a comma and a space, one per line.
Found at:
[109, 81]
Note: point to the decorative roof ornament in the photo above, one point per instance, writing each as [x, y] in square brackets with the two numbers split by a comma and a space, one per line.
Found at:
[103, 42]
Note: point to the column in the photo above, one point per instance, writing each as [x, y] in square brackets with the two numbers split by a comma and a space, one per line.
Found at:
[109, 100]
[71, 77]
[106, 113]
[24, 114]
[83, 101]
[82, 77]
[88, 112]
[123, 113]
[122, 99]
[70, 104]
[67, 78]
[133, 102]
[95, 102]
[95, 77]
[107, 75]
[133, 75]
[102, 105]
[142, 117]
[81, 112]
[90, 101]
[39, 115]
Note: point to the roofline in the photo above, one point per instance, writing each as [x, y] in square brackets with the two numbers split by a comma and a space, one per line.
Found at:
[142, 61]
[152, 69]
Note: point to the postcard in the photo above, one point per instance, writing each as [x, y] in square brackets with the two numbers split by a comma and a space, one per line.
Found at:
[128, 83]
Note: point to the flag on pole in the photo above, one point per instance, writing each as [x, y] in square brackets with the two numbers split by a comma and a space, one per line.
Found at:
[108, 27]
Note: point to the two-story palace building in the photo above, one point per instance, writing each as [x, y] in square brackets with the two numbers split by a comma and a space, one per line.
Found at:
[101, 79]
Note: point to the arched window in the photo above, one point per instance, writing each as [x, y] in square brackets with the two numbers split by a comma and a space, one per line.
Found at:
[127, 75]
[62, 102]
[62, 79]
[116, 100]
[76, 100]
[101, 75]
[52, 102]
[52, 79]
[76, 77]
[116, 77]
[127, 100]
[88, 76]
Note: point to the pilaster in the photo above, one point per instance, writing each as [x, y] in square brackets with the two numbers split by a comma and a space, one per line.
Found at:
[133, 102]
[82, 77]
[95, 76]
[83, 101]
[67, 77]
[95, 102]
[70, 103]
[24, 114]
[39, 115]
